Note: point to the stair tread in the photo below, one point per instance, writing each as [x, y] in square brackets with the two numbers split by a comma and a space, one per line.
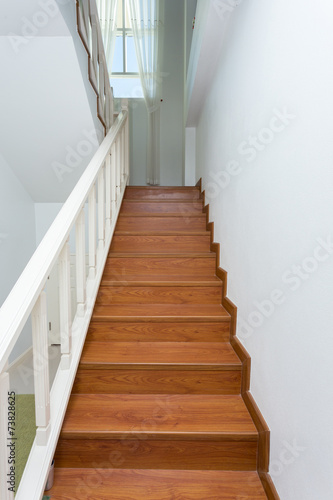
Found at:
[161, 233]
[108, 416]
[179, 255]
[170, 311]
[162, 280]
[182, 215]
[160, 353]
[139, 484]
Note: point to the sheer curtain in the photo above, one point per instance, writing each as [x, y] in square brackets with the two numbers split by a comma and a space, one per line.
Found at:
[107, 10]
[147, 31]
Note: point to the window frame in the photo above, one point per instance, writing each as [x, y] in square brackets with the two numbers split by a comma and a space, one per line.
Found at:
[124, 32]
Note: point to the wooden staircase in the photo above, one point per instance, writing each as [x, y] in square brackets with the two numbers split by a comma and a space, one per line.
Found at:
[156, 410]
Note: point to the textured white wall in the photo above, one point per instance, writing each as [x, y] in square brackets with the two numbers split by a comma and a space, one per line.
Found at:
[264, 150]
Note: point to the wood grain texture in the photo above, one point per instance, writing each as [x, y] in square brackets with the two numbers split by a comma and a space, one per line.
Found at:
[142, 453]
[123, 484]
[158, 332]
[158, 312]
[162, 207]
[127, 223]
[159, 295]
[154, 380]
[169, 416]
[160, 243]
[161, 280]
[217, 354]
[145, 264]
[161, 193]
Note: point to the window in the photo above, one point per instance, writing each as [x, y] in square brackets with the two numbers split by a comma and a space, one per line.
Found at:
[125, 78]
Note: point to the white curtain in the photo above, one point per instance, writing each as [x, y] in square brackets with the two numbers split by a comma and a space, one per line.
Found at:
[107, 11]
[147, 31]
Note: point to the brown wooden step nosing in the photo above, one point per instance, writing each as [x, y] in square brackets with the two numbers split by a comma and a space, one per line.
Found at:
[196, 201]
[178, 255]
[164, 319]
[161, 233]
[96, 365]
[247, 436]
[122, 283]
[181, 215]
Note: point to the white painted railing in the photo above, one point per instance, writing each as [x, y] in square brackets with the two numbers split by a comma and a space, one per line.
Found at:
[101, 189]
[90, 32]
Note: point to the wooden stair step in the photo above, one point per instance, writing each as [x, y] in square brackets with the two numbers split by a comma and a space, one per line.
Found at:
[149, 264]
[181, 208]
[159, 295]
[161, 193]
[219, 355]
[162, 223]
[159, 312]
[162, 280]
[137, 484]
[158, 331]
[158, 367]
[207, 417]
[160, 243]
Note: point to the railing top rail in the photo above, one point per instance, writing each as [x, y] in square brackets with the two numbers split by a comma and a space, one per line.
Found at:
[19, 303]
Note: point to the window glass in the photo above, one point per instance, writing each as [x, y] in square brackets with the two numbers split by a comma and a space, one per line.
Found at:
[131, 60]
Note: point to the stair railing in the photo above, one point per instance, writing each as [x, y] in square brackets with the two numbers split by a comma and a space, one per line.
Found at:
[90, 33]
[99, 192]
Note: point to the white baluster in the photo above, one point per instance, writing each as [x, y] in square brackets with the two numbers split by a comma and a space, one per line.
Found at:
[122, 155]
[80, 264]
[65, 307]
[5, 494]
[92, 233]
[118, 165]
[127, 166]
[41, 369]
[108, 192]
[113, 180]
[101, 213]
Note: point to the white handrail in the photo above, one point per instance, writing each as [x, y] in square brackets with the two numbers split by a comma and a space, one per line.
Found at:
[28, 296]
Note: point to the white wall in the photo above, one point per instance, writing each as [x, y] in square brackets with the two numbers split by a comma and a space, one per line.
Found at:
[48, 107]
[269, 182]
[172, 131]
[17, 237]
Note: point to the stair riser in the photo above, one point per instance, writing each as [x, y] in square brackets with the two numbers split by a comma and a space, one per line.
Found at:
[163, 244]
[143, 453]
[118, 267]
[162, 194]
[174, 207]
[156, 381]
[159, 295]
[159, 332]
[161, 223]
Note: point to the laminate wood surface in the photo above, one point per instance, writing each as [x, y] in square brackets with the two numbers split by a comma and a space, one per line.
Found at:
[117, 265]
[158, 312]
[154, 380]
[143, 453]
[160, 243]
[160, 280]
[218, 354]
[161, 193]
[159, 295]
[162, 207]
[167, 223]
[175, 417]
[123, 484]
[158, 332]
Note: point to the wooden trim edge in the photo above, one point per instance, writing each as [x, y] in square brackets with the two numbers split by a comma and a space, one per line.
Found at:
[256, 415]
